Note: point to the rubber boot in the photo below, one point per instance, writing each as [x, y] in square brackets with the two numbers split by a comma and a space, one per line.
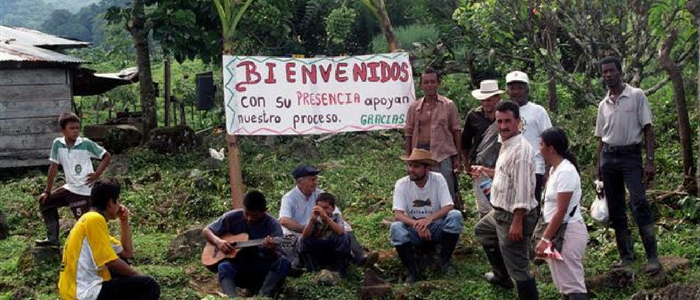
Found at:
[405, 252]
[228, 287]
[625, 246]
[448, 244]
[577, 296]
[342, 262]
[51, 222]
[269, 286]
[653, 265]
[527, 290]
[499, 276]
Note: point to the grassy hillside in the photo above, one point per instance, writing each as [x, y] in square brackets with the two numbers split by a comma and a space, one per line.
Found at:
[359, 168]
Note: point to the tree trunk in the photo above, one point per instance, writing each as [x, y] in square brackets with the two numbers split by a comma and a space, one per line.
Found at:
[385, 22]
[550, 38]
[166, 92]
[694, 7]
[139, 32]
[676, 76]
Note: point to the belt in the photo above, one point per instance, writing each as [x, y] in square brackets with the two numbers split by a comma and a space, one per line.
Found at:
[625, 148]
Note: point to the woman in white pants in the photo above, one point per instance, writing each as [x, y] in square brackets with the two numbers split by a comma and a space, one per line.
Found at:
[562, 212]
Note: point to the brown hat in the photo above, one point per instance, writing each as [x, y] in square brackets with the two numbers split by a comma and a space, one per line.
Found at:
[420, 156]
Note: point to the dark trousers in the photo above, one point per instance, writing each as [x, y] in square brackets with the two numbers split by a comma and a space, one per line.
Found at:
[60, 197]
[251, 274]
[130, 287]
[622, 169]
[326, 251]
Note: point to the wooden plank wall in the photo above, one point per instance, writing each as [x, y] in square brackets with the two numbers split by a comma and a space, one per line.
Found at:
[30, 102]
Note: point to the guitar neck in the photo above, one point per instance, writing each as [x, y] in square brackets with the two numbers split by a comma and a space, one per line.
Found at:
[250, 243]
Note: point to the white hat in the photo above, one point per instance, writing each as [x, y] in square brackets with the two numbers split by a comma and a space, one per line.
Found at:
[517, 76]
[488, 89]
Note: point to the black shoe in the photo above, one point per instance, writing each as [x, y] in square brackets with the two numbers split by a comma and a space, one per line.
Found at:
[577, 296]
[621, 264]
[625, 247]
[504, 282]
[653, 266]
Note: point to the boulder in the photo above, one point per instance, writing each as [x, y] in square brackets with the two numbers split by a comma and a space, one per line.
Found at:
[186, 245]
[373, 286]
[24, 293]
[119, 138]
[613, 279]
[671, 265]
[327, 278]
[175, 139]
[675, 291]
[4, 227]
[36, 257]
[118, 166]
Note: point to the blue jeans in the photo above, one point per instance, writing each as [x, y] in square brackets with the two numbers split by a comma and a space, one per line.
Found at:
[402, 234]
[251, 274]
[622, 169]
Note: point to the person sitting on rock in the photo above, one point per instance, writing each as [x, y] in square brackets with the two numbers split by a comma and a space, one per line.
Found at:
[261, 269]
[296, 210]
[324, 239]
[74, 153]
[424, 212]
[94, 263]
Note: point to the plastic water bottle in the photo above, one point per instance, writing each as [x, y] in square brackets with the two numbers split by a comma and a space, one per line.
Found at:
[485, 186]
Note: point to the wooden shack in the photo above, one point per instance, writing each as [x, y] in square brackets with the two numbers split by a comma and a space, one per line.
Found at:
[37, 83]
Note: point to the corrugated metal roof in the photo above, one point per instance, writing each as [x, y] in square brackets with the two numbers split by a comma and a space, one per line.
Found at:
[11, 51]
[38, 38]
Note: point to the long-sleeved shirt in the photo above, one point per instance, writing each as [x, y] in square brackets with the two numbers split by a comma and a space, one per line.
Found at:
[513, 185]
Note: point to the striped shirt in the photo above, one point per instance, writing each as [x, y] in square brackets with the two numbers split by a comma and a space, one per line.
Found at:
[513, 185]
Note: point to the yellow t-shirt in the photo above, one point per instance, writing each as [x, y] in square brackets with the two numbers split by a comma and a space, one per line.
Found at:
[88, 248]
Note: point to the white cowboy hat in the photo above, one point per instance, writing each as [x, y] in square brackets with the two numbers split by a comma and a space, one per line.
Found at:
[488, 89]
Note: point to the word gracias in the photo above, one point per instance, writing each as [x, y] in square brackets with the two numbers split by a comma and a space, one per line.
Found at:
[339, 72]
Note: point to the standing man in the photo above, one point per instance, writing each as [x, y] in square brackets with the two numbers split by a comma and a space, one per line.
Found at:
[432, 123]
[535, 120]
[623, 117]
[506, 230]
[75, 154]
[424, 213]
[478, 122]
[297, 208]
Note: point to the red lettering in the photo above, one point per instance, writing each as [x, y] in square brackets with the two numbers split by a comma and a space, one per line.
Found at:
[326, 74]
[270, 73]
[386, 72]
[404, 72]
[373, 71]
[308, 74]
[340, 72]
[289, 70]
[250, 71]
[359, 72]
[395, 71]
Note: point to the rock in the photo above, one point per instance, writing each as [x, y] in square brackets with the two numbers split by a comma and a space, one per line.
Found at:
[373, 286]
[24, 293]
[96, 133]
[33, 257]
[676, 291]
[4, 228]
[175, 139]
[186, 245]
[671, 265]
[118, 166]
[614, 279]
[327, 278]
[122, 137]
[65, 225]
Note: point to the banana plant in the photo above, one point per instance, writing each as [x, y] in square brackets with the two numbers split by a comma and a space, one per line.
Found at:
[230, 15]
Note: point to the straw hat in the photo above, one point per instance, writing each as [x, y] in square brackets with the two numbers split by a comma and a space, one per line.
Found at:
[487, 89]
[420, 156]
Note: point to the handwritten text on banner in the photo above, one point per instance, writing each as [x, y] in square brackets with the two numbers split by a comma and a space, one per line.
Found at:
[277, 95]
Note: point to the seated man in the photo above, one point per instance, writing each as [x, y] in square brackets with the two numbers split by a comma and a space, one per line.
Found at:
[91, 266]
[324, 240]
[261, 268]
[296, 210]
[424, 213]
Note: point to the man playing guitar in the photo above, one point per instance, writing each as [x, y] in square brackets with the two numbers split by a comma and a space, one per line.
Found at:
[261, 269]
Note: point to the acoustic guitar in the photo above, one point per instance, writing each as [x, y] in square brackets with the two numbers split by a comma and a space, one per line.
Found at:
[212, 256]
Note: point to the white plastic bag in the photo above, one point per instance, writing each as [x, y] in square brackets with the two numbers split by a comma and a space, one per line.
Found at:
[599, 208]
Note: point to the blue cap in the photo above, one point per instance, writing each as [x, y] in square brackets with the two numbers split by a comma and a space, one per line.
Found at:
[304, 170]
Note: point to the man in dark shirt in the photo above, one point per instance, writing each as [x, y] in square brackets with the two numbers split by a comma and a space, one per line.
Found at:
[474, 144]
[261, 268]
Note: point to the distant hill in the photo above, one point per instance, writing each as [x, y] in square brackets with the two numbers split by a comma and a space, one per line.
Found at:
[33, 13]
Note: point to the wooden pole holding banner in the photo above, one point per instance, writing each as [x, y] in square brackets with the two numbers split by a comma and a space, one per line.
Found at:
[230, 15]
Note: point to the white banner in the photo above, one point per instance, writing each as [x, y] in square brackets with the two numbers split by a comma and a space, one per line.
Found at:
[279, 95]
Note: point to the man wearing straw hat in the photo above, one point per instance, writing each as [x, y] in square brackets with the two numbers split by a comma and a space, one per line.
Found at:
[480, 138]
[424, 212]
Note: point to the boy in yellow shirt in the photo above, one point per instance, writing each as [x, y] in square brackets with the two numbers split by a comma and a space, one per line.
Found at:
[93, 267]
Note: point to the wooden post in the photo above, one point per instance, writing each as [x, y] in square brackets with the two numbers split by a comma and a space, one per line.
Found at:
[167, 90]
[234, 172]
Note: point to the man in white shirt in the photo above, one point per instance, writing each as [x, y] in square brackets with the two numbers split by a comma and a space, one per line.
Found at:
[296, 210]
[424, 212]
[506, 230]
[535, 120]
